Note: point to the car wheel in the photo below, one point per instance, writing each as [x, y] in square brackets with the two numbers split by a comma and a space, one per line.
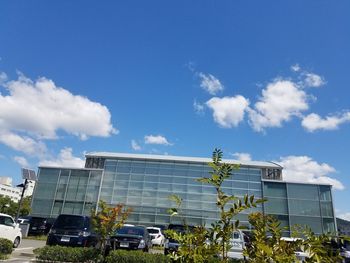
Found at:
[16, 242]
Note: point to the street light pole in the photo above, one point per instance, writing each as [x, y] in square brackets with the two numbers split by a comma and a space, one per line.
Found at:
[24, 186]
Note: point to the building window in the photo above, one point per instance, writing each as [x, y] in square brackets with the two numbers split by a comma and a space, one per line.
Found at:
[272, 173]
[94, 162]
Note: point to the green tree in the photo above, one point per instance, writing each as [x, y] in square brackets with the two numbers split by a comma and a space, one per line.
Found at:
[7, 206]
[266, 243]
[229, 205]
[322, 248]
[107, 220]
[26, 206]
[193, 244]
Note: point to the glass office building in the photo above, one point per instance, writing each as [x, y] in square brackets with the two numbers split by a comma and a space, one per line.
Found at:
[145, 182]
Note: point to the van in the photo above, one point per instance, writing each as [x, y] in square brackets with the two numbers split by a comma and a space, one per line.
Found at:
[72, 230]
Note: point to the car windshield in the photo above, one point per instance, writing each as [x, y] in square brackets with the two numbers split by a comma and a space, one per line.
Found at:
[153, 231]
[70, 222]
[236, 235]
[129, 230]
[38, 221]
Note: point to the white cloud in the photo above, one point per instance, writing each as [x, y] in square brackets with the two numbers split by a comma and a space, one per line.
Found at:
[345, 216]
[41, 108]
[23, 144]
[313, 80]
[156, 139]
[313, 122]
[135, 146]
[64, 159]
[198, 107]
[304, 169]
[210, 83]
[280, 101]
[243, 157]
[295, 67]
[228, 112]
[21, 161]
[32, 111]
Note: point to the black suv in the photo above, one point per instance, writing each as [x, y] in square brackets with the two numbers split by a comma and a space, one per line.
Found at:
[131, 238]
[37, 225]
[72, 230]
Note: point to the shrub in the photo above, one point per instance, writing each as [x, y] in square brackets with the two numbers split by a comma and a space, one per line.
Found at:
[3, 257]
[68, 254]
[122, 256]
[6, 246]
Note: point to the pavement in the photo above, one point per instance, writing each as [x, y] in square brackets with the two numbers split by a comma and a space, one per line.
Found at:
[24, 253]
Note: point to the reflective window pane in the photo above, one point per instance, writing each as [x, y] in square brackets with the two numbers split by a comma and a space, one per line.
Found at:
[275, 190]
[303, 191]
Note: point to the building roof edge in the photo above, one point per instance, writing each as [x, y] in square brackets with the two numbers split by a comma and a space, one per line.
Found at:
[179, 158]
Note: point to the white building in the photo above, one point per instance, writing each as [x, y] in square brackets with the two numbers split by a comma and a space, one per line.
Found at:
[6, 189]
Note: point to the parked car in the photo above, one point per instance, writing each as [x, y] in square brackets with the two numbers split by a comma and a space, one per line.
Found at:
[38, 225]
[22, 221]
[171, 245]
[72, 230]
[345, 251]
[10, 230]
[162, 227]
[156, 235]
[131, 238]
[299, 253]
[237, 245]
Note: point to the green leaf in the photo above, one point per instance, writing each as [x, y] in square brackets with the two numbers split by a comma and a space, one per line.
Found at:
[237, 224]
[259, 201]
[175, 198]
[246, 199]
[203, 180]
[173, 211]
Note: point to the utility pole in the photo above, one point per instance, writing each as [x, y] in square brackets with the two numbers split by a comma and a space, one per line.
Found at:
[24, 186]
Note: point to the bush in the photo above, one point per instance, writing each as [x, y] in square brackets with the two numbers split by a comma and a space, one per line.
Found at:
[6, 246]
[68, 254]
[122, 256]
[3, 257]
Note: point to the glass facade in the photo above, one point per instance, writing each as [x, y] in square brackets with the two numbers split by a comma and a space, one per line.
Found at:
[300, 204]
[144, 184]
[69, 191]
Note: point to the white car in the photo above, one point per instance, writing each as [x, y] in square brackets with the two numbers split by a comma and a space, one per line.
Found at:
[300, 255]
[156, 235]
[237, 245]
[23, 221]
[10, 230]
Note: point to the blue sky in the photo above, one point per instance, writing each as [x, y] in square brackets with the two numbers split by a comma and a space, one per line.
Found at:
[261, 80]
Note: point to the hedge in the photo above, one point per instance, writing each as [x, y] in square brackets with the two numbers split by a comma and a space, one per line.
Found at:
[6, 246]
[123, 256]
[68, 254]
